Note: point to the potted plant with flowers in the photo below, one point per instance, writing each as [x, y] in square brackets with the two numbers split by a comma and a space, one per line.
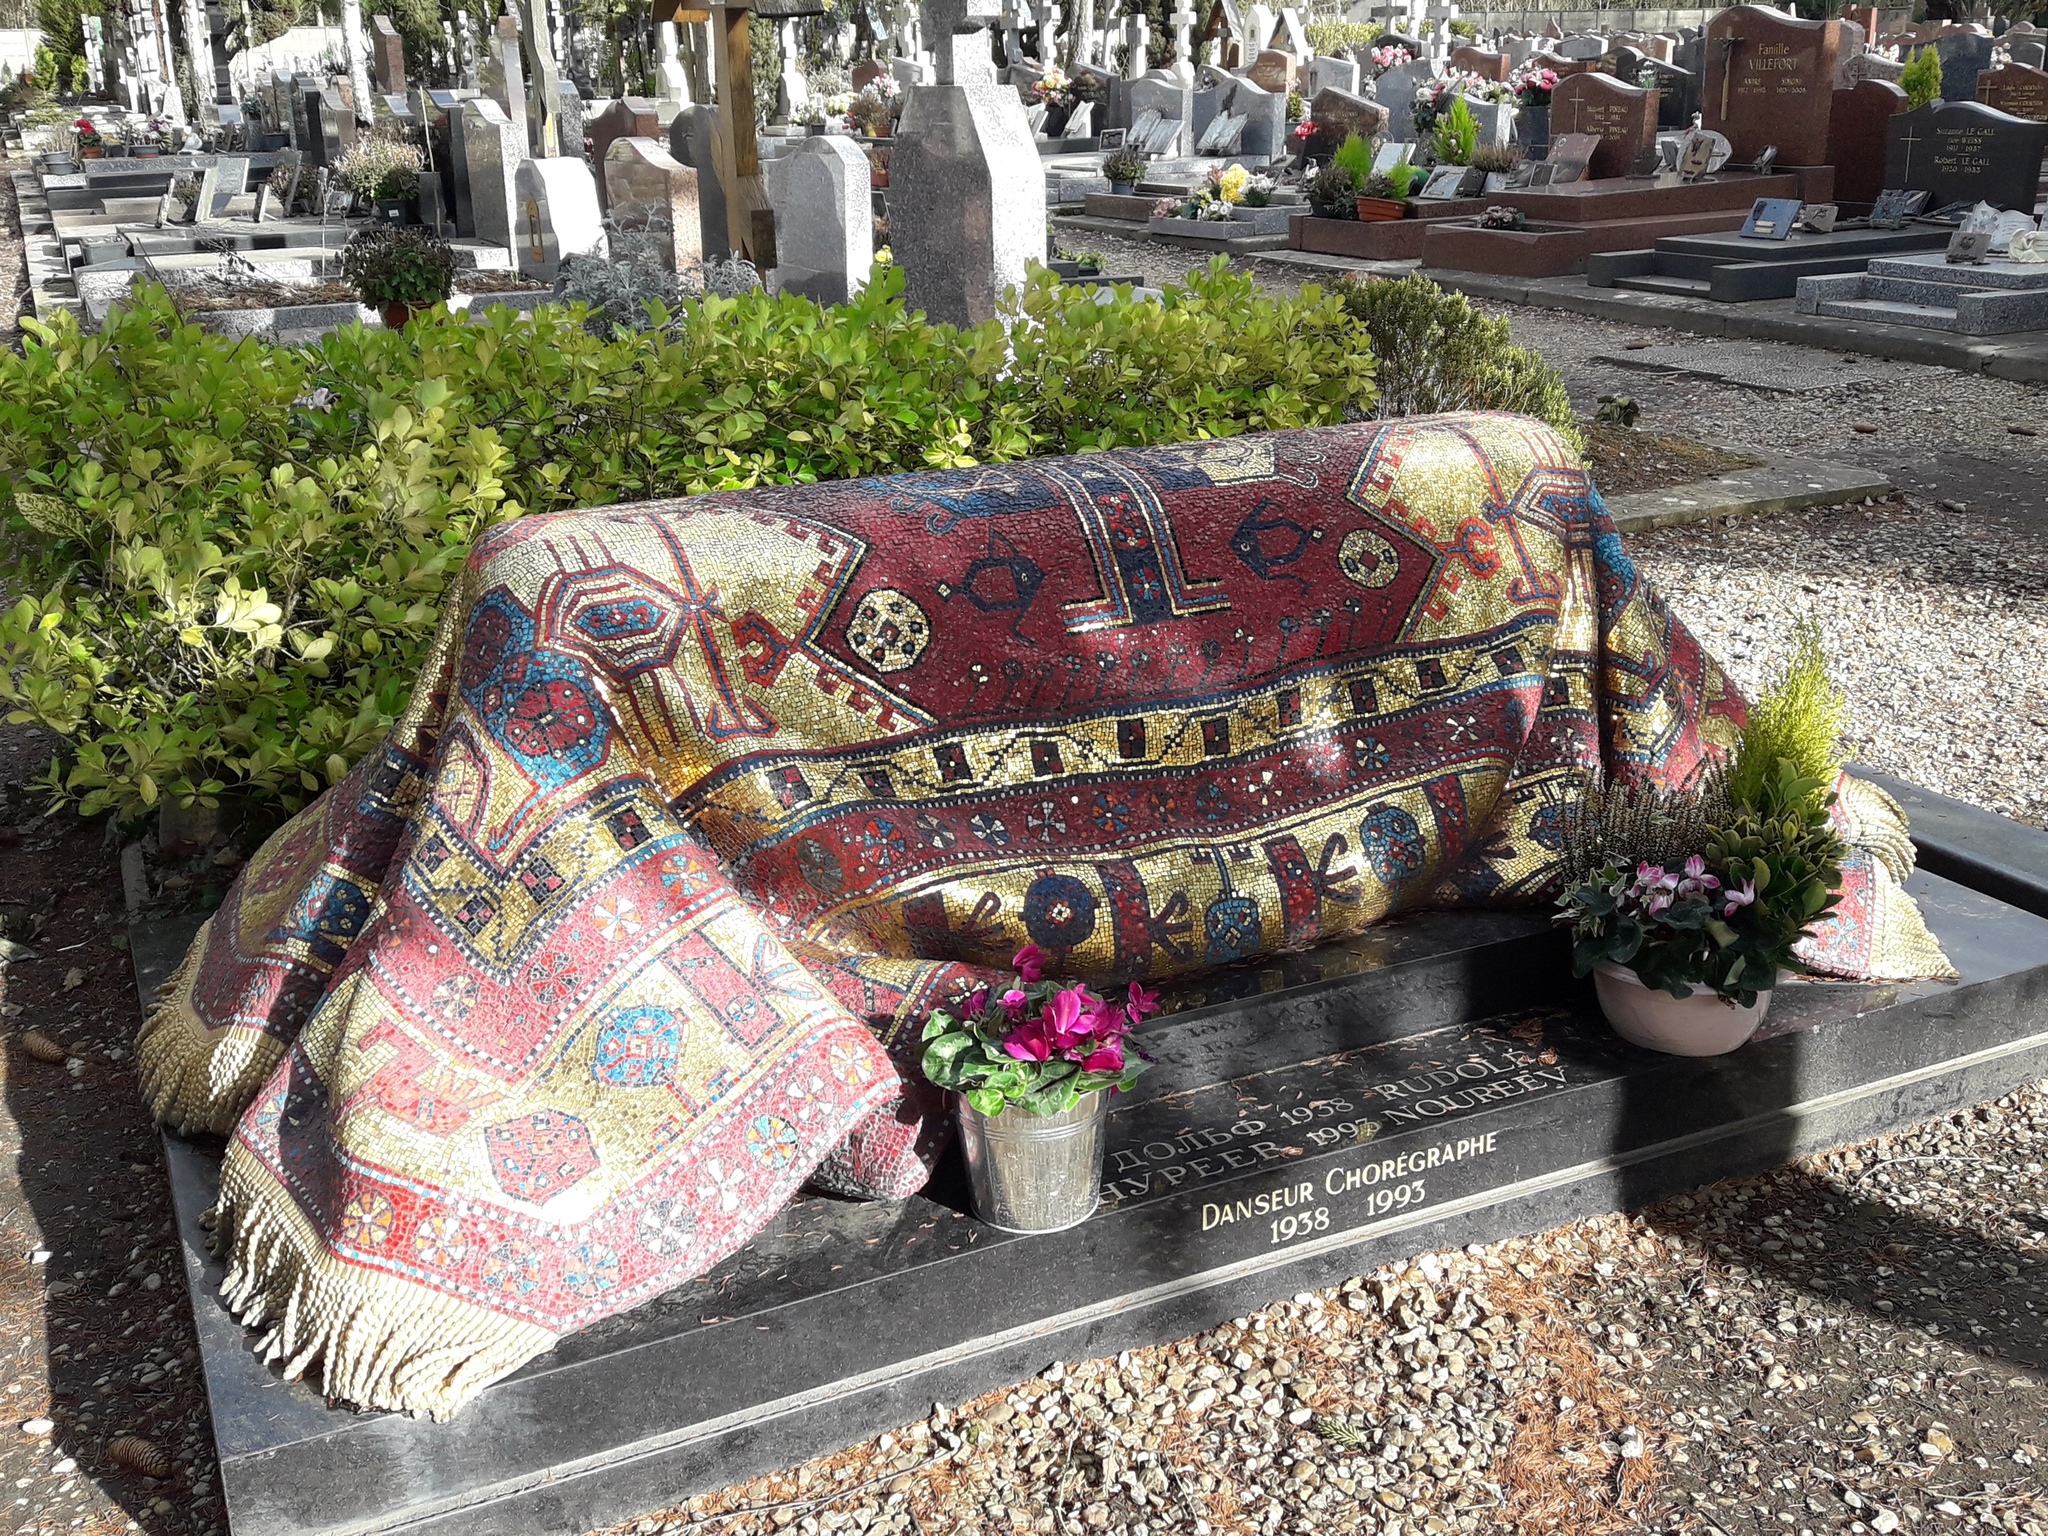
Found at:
[90, 145]
[1532, 88]
[1690, 904]
[384, 173]
[1031, 1067]
[149, 143]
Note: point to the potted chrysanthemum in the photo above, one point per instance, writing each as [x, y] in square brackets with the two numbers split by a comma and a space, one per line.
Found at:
[1031, 1066]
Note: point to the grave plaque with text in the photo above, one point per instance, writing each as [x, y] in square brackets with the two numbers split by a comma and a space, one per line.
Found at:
[1622, 117]
[1770, 80]
[1963, 152]
[2016, 89]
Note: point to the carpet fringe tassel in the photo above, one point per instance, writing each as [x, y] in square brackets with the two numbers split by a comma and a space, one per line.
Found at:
[379, 1341]
[195, 1080]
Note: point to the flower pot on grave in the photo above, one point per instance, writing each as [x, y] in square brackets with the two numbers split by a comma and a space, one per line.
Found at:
[1374, 210]
[399, 313]
[1123, 188]
[391, 210]
[92, 151]
[1034, 1173]
[145, 151]
[1700, 1025]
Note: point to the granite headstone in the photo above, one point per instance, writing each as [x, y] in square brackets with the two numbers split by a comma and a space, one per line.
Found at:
[648, 194]
[1964, 56]
[1769, 80]
[632, 117]
[824, 219]
[691, 143]
[1623, 117]
[1965, 152]
[557, 216]
[492, 147]
[2017, 89]
[1856, 138]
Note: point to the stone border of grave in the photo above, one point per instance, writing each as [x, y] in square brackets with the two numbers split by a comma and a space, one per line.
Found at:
[1776, 485]
[2021, 357]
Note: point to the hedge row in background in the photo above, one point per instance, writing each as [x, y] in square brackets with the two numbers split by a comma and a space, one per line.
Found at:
[238, 550]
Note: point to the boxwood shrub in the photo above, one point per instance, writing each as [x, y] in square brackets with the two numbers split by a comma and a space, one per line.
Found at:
[232, 554]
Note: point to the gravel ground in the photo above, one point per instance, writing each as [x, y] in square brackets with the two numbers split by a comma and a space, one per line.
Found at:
[1849, 1344]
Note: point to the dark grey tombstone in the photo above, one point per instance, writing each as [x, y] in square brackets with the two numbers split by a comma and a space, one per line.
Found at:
[690, 138]
[2032, 54]
[1965, 152]
[433, 208]
[460, 211]
[1964, 56]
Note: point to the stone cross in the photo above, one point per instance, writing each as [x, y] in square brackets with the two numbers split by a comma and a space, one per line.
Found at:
[671, 79]
[1183, 20]
[1048, 32]
[958, 30]
[546, 78]
[1012, 24]
[511, 73]
[1138, 43]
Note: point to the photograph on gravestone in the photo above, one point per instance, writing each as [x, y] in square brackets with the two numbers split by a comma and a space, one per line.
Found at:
[1818, 218]
[1769, 79]
[1964, 152]
[1622, 119]
[1444, 182]
[1771, 218]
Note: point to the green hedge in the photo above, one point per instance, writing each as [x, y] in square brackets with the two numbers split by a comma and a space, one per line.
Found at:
[239, 549]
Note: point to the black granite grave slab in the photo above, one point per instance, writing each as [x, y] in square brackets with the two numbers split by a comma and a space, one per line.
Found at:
[1965, 152]
[1728, 269]
[1975, 847]
[1306, 1122]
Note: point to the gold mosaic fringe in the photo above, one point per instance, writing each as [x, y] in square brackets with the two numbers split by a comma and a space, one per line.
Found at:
[379, 1341]
[195, 1079]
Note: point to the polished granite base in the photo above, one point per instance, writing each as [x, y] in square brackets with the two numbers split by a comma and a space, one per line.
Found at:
[1307, 1121]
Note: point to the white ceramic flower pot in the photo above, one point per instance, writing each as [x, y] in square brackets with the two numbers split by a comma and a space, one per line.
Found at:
[1700, 1025]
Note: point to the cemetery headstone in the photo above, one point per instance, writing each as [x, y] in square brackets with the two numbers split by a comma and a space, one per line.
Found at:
[505, 74]
[690, 144]
[492, 146]
[824, 220]
[569, 123]
[1964, 56]
[1395, 90]
[1337, 114]
[1622, 117]
[1769, 81]
[1331, 74]
[557, 216]
[1265, 120]
[649, 194]
[2030, 52]
[1273, 70]
[2017, 89]
[1585, 47]
[967, 191]
[1965, 152]
[1856, 138]
[1173, 101]
[631, 117]
[387, 56]
[1481, 62]
[1870, 66]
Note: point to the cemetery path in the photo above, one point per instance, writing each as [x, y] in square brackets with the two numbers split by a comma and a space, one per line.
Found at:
[96, 1339]
[13, 260]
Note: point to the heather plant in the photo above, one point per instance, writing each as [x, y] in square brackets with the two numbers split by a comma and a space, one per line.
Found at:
[235, 552]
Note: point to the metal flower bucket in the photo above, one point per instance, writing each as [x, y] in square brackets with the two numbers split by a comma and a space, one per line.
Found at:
[1034, 1173]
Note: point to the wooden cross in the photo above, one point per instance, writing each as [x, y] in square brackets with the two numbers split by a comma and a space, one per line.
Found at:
[736, 152]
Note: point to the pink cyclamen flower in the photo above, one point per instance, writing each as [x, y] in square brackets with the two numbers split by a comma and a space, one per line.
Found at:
[1014, 1000]
[1069, 1015]
[978, 1003]
[1030, 963]
[1736, 897]
[1106, 1057]
[1029, 1041]
[1142, 1002]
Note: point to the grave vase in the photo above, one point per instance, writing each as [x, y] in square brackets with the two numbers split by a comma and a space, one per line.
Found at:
[1034, 1173]
[1375, 210]
[1534, 125]
[1700, 1025]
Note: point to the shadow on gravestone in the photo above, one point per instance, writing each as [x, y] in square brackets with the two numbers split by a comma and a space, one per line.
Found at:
[647, 191]
[824, 219]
